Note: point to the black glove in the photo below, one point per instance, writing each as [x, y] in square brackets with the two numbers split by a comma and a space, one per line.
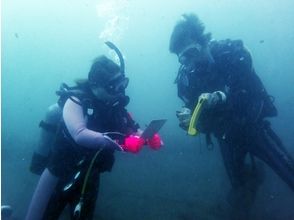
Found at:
[212, 99]
[109, 143]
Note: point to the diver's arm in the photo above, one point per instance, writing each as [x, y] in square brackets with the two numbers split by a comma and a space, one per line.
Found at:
[75, 123]
[242, 90]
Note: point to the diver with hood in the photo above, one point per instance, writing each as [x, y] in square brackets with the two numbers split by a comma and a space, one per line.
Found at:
[219, 77]
[79, 136]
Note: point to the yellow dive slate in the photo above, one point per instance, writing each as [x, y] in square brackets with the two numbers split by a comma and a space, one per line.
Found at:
[195, 116]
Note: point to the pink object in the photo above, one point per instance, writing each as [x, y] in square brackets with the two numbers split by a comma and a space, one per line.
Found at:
[155, 142]
[133, 144]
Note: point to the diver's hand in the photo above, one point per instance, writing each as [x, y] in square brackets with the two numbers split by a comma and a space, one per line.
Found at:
[184, 116]
[109, 143]
[212, 99]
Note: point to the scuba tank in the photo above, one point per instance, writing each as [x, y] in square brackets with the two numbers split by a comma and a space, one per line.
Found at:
[48, 126]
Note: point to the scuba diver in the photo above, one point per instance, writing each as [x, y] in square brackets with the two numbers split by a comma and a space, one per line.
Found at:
[79, 136]
[219, 77]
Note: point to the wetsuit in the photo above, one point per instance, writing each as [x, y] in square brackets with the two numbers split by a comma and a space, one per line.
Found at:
[238, 124]
[78, 138]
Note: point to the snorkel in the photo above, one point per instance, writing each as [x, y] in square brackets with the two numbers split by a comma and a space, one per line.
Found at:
[119, 54]
[121, 99]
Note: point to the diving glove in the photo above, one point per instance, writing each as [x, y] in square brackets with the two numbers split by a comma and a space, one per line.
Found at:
[212, 99]
[109, 143]
[184, 116]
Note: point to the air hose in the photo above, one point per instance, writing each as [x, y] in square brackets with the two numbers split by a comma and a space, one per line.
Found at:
[78, 208]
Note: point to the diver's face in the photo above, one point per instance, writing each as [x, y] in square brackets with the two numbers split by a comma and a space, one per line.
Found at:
[114, 88]
[117, 84]
[192, 54]
[101, 94]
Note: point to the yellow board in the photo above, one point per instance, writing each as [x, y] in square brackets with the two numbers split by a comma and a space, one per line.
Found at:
[195, 116]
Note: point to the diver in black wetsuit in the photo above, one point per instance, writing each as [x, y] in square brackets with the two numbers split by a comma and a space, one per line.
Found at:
[235, 111]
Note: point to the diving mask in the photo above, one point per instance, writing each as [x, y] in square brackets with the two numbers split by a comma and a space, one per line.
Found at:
[189, 54]
[117, 84]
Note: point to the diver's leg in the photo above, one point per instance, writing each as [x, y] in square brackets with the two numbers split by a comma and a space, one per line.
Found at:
[242, 194]
[270, 149]
[42, 195]
[57, 203]
[233, 158]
